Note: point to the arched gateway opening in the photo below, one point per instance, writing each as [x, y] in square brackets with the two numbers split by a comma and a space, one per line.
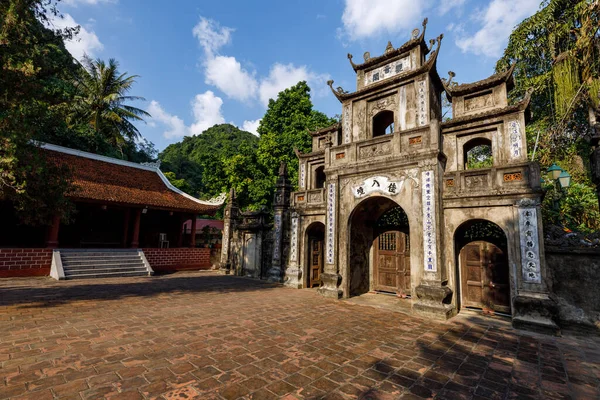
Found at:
[379, 248]
[315, 240]
[482, 260]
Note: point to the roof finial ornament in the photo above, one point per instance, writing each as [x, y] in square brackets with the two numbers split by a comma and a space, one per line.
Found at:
[366, 56]
[448, 82]
[337, 91]
[389, 48]
[415, 33]
[431, 43]
[352, 62]
[283, 169]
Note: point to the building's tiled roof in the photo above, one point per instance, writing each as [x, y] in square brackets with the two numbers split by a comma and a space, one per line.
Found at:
[390, 52]
[468, 88]
[102, 179]
[328, 129]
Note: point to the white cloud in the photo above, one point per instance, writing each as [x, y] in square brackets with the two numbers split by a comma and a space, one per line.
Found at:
[251, 126]
[283, 76]
[227, 74]
[364, 18]
[86, 42]
[211, 35]
[206, 109]
[447, 5]
[498, 21]
[175, 127]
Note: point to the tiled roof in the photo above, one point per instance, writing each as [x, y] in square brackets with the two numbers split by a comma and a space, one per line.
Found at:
[102, 179]
[468, 88]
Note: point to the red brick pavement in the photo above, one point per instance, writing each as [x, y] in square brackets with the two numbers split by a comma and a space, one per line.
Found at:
[203, 336]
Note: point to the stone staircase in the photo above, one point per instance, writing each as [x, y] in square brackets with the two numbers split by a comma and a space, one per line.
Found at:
[99, 263]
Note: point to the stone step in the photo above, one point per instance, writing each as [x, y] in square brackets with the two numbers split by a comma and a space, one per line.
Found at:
[98, 267]
[107, 275]
[99, 255]
[101, 271]
[104, 261]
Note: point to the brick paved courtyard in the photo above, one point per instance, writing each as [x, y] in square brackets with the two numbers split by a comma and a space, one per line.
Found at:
[205, 336]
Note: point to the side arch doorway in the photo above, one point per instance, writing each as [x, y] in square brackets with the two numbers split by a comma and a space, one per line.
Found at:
[315, 240]
[379, 248]
[483, 266]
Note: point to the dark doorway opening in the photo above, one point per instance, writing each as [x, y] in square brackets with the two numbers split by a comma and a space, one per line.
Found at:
[383, 123]
[315, 240]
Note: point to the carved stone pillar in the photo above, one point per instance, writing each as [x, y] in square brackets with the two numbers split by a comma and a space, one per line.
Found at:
[331, 277]
[293, 273]
[229, 223]
[433, 295]
[281, 205]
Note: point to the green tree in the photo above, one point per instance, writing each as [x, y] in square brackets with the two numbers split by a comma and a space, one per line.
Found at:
[285, 127]
[556, 52]
[101, 102]
[35, 88]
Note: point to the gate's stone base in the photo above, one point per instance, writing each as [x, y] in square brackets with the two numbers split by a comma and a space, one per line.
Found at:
[330, 286]
[293, 278]
[536, 312]
[432, 302]
[225, 268]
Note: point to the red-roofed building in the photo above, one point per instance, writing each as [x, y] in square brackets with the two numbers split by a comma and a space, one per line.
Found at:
[119, 204]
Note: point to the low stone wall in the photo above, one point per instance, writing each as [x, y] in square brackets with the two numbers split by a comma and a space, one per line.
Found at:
[575, 275]
[178, 259]
[25, 262]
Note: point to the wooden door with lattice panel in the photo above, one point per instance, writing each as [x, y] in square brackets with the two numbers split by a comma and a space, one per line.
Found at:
[485, 281]
[391, 269]
[315, 262]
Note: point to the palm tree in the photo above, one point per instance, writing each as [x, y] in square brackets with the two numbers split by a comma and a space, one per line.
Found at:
[101, 101]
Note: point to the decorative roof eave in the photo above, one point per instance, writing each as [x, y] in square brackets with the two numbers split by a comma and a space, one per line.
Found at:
[391, 52]
[301, 155]
[343, 95]
[327, 129]
[519, 107]
[215, 201]
[453, 90]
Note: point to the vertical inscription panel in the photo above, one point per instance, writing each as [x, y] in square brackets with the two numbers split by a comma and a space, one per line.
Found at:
[515, 139]
[302, 175]
[294, 239]
[429, 228]
[347, 125]
[530, 251]
[331, 198]
[277, 241]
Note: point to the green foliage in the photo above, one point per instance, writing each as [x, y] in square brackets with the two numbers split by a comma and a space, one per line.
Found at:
[221, 157]
[224, 157]
[180, 184]
[395, 217]
[575, 207]
[556, 52]
[285, 127]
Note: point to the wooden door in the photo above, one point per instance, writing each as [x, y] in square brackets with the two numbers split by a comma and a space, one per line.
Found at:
[391, 269]
[485, 282]
[315, 261]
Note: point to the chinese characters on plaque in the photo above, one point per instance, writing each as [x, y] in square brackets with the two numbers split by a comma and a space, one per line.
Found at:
[347, 127]
[302, 175]
[294, 239]
[379, 184]
[429, 227]
[422, 106]
[514, 133]
[330, 222]
[530, 255]
[277, 241]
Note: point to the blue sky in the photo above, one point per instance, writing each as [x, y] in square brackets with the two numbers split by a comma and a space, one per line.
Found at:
[206, 62]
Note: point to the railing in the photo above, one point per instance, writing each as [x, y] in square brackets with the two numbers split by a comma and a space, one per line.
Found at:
[309, 197]
[499, 179]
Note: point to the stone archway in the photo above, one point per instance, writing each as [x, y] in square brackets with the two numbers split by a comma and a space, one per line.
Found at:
[379, 248]
[315, 250]
[482, 266]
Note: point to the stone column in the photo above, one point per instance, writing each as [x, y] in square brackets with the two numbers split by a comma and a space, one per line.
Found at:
[135, 238]
[281, 205]
[52, 242]
[532, 307]
[126, 219]
[331, 277]
[433, 295]
[293, 274]
[193, 232]
[229, 223]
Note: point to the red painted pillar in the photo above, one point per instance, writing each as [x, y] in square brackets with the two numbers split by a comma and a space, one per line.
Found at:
[135, 239]
[193, 233]
[52, 242]
[126, 219]
[180, 221]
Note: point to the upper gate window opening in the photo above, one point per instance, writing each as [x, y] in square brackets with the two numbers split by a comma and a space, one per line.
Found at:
[320, 177]
[478, 154]
[383, 123]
